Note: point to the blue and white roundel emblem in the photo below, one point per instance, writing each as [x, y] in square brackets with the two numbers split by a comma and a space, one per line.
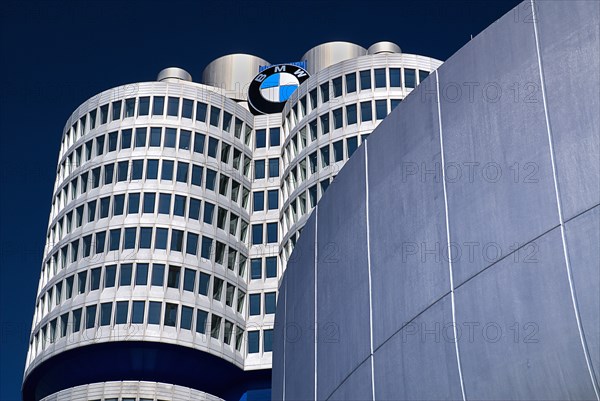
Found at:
[279, 87]
[273, 87]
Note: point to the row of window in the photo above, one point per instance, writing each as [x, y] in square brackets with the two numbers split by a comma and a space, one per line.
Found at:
[141, 275]
[378, 78]
[149, 203]
[155, 106]
[164, 170]
[135, 312]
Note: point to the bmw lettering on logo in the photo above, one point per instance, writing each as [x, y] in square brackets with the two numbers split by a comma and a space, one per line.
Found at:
[271, 88]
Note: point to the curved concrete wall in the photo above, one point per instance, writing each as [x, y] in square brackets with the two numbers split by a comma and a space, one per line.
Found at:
[495, 158]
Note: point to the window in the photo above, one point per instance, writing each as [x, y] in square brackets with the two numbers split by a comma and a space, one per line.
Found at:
[258, 201]
[122, 171]
[324, 123]
[194, 210]
[350, 83]
[209, 210]
[257, 234]
[351, 114]
[154, 310]
[395, 80]
[81, 280]
[141, 274]
[253, 342]
[254, 305]
[158, 274]
[104, 114]
[365, 80]
[126, 139]
[189, 279]
[116, 110]
[201, 318]
[185, 138]
[201, 111]
[94, 279]
[104, 207]
[137, 170]
[380, 78]
[145, 238]
[144, 106]
[155, 137]
[261, 138]
[160, 241]
[179, 206]
[125, 277]
[76, 320]
[177, 240]
[381, 109]
[152, 169]
[338, 121]
[197, 175]
[148, 206]
[121, 312]
[274, 137]
[158, 106]
[324, 185]
[337, 87]
[324, 92]
[167, 170]
[271, 233]
[100, 239]
[203, 283]
[187, 108]
[69, 287]
[171, 315]
[273, 168]
[259, 169]
[268, 340]
[110, 275]
[215, 114]
[173, 106]
[325, 156]
[219, 252]
[270, 299]
[164, 204]
[410, 79]
[271, 266]
[229, 293]
[227, 121]
[217, 288]
[137, 312]
[351, 145]
[273, 199]
[192, 244]
[170, 138]
[90, 316]
[206, 247]
[173, 277]
[105, 313]
[395, 102]
[109, 170]
[338, 150]
[211, 178]
[186, 317]
[422, 75]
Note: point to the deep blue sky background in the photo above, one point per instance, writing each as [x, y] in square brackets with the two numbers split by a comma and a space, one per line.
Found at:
[56, 54]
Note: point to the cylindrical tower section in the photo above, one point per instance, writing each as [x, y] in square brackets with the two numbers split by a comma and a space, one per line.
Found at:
[328, 54]
[144, 273]
[233, 73]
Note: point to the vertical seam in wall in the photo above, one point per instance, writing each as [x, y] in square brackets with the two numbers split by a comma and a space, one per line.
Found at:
[316, 248]
[372, 358]
[559, 205]
[439, 110]
[284, 333]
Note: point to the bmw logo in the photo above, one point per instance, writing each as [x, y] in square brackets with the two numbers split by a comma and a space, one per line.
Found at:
[270, 89]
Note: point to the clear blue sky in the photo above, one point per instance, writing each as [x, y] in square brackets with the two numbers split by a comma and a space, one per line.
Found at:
[56, 54]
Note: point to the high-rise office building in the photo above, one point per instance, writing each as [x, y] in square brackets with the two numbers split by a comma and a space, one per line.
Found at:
[175, 209]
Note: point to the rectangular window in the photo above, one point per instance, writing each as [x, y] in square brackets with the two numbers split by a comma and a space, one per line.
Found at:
[271, 266]
[351, 114]
[219, 252]
[187, 108]
[268, 340]
[179, 206]
[104, 114]
[273, 199]
[155, 137]
[154, 310]
[152, 169]
[122, 171]
[126, 139]
[338, 150]
[270, 299]
[201, 111]
[191, 245]
[129, 107]
[351, 83]
[273, 168]
[173, 106]
[274, 137]
[366, 112]
[137, 312]
[145, 238]
[104, 207]
[213, 147]
[257, 234]
[116, 110]
[158, 106]
[338, 120]
[211, 178]
[258, 201]
[109, 170]
[259, 169]
[423, 75]
[100, 239]
[337, 87]
[194, 210]
[167, 170]
[324, 123]
[170, 137]
[324, 92]
[410, 79]
[217, 288]
[325, 156]
[271, 233]
[261, 138]
[121, 312]
[125, 276]
[215, 326]
[110, 275]
[77, 320]
[253, 342]
[81, 281]
[160, 241]
[206, 250]
[95, 278]
[90, 316]
[197, 175]
[141, 274]
[201, 318]
[158, 274]
[186, 318]
[137, 170]
[105, 313]
[254, 308]
[185, 138]
[149, 200]
[395, 79]
[203, 283]
[209, 210]
[177, 240]
[164, 203]
[69, 287]
[351, 145]
[114, 239]
[173, 277]
[313, 99]
[144, 107]
[380, 81]
[365, 80]
[381, 109]
[171, 315]
[215, 115]
[189, 279]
